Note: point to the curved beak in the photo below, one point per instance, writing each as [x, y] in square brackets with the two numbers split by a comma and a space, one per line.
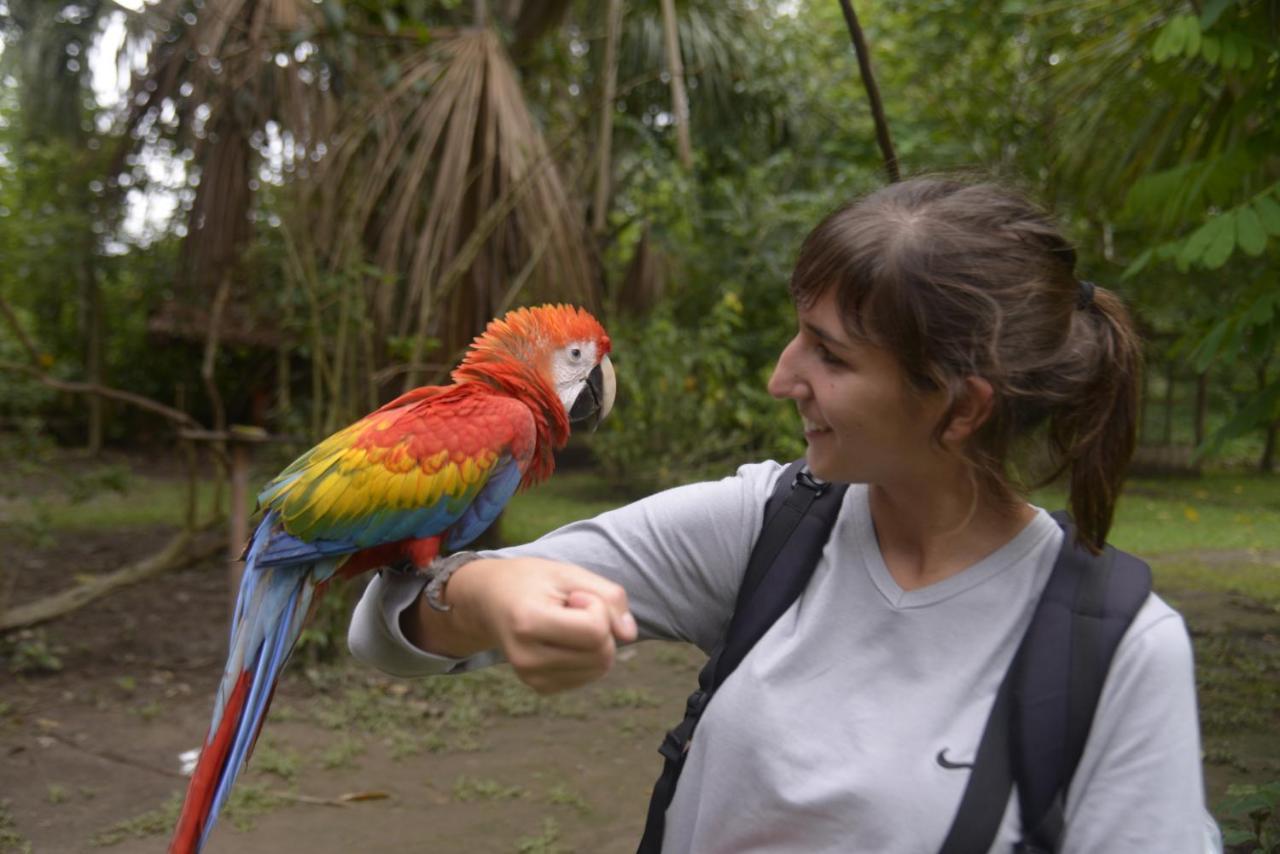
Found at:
[596, 398]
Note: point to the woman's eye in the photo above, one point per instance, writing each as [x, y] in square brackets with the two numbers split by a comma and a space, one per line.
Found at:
[827, 356]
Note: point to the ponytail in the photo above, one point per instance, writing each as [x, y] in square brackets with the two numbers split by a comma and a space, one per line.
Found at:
[1093, 435]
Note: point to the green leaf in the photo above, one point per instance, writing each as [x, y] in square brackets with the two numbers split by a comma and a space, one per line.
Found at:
[1191, 30]
[1262, 309]
[1210, 49]
[1138, 264]
[1197, 245]
[1168, 42]
[1212, 344]
[1259, 411]
[1249, 232]
[1245, 59]
[1268, 210]
[1213, 9]
[1223, 243]
[1228, 52]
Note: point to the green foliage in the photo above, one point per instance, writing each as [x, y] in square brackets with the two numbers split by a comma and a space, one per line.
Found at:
[10, 839]
[31, 653]
[1252, 820]
[154, 822]
[467, 788]
[546, 841]
[691, 401]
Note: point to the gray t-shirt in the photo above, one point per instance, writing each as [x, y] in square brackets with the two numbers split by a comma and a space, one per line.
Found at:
[828, 736]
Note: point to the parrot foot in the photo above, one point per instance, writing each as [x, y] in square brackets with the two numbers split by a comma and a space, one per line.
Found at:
[406, 566]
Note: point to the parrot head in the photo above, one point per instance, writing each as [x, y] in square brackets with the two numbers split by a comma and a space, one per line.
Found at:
[555, 349]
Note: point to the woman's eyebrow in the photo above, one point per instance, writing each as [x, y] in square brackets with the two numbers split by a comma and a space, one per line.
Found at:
[824, 336]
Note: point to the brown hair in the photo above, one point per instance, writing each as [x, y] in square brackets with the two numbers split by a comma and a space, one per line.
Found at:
[959, 279]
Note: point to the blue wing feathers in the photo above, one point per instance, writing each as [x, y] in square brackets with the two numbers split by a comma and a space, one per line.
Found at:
[486, 505]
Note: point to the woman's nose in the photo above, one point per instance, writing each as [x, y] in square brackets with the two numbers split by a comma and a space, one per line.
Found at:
[785, 383]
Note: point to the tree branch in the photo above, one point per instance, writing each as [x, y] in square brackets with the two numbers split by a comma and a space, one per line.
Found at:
[102, 391]
[873, 91]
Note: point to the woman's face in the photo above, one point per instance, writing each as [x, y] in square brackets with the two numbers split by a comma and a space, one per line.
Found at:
[860, 421]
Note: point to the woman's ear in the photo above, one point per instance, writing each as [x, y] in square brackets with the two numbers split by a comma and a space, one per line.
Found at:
[970, 411]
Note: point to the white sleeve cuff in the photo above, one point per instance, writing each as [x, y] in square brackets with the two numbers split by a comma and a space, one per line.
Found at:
[375, 636]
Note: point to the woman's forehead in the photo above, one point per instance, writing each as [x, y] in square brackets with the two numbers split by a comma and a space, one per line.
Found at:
[824, 317]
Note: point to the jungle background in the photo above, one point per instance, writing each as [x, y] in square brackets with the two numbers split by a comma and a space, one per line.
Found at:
[228, 227]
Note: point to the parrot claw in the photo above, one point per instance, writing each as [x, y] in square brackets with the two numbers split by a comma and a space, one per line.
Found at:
[405, 566]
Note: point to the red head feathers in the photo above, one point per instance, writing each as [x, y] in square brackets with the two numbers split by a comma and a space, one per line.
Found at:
[553, 357]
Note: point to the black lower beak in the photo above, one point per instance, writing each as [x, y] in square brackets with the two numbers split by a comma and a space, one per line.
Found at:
[587, 406]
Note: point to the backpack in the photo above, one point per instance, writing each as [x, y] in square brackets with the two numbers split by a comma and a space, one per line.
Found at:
[1044, 707]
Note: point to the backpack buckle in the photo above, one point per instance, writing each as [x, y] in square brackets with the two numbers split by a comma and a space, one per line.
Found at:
[808, 481]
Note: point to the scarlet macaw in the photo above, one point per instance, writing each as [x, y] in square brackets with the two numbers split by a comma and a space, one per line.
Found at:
[426, 473]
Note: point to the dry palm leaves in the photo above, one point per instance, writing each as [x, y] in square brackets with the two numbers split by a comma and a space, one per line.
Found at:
[447, 178]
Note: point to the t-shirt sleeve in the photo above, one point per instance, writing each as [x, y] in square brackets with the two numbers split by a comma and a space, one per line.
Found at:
[679, 554]
[1139, 784]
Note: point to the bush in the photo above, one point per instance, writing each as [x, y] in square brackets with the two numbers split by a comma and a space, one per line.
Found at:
[691, 401]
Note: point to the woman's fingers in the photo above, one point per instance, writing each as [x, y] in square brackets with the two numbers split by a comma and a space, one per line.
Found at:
[557, 623]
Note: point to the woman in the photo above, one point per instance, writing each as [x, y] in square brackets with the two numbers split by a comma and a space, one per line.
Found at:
[941, 329]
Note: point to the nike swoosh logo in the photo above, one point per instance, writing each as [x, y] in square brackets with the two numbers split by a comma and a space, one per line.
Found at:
[948, 764]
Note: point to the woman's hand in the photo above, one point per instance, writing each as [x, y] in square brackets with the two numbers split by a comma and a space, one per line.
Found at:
[558, 624]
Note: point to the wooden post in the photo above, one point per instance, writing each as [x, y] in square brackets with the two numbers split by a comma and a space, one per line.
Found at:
[239, 440]
[238, 516]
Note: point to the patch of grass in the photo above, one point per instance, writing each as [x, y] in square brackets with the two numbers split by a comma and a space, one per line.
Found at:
[273, 758]
[547, 841]
[150, 823]
[10, 839]
[248, 801]
[567, 497]
[341, 753]
[152, 501]
[679, 656]
[561, 795]
[403, 744]
[148, 711]
[56, 793]
[1218, 511]
[30, 653]
[1257, 581]
[1239, 684]
[469, 789]
[627, 698]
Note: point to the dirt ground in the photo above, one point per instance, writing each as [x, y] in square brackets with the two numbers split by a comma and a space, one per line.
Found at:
[351, 759]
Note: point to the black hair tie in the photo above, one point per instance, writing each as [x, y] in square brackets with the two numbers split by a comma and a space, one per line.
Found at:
[1085, 298]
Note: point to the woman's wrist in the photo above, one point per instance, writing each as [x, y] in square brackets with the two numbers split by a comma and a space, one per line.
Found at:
[463, 629]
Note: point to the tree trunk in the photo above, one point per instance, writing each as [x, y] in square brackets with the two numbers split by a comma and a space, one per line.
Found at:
[93, 357]
[1167, 439]
[604, 155]
[1267, 462]
[1202, 406]
[675, 67]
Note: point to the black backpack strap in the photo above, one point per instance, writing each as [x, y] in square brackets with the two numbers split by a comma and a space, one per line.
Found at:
[1046, 702]
[798, 518]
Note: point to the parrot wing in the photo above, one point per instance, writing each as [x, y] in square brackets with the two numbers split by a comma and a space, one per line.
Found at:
[439, 464]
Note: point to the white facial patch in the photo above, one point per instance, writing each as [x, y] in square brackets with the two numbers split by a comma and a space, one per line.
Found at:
[570, 367]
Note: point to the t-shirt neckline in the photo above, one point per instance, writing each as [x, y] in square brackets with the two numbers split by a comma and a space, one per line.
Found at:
[998, 561]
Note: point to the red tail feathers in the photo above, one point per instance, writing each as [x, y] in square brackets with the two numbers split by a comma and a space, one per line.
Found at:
[204, 781]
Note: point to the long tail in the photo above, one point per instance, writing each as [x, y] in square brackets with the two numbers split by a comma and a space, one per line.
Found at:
[272, 606]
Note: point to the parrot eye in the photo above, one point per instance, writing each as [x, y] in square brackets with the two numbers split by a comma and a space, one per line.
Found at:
[575, 353]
